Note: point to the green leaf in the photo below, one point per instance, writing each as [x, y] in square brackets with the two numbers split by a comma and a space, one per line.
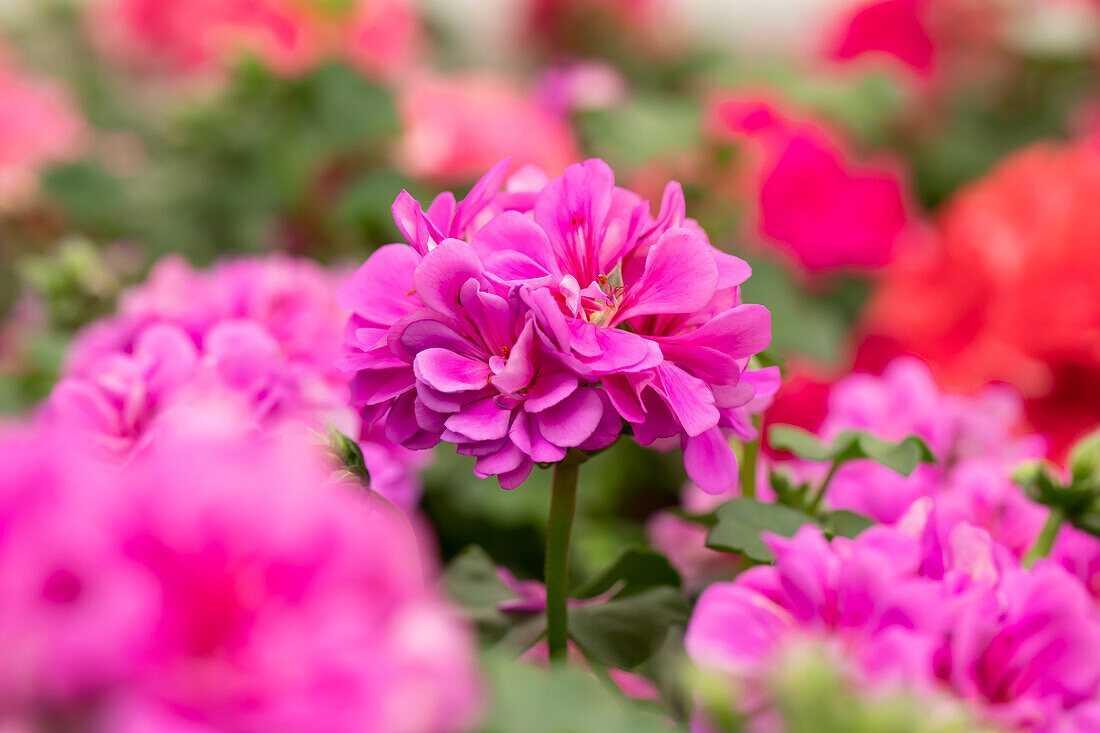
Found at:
[1084, 458]
[625, 632]
[635, 570]
[564, 699]
[741, 520]
[843, 523]
[800, 442]
[471, 579]
[902, 457]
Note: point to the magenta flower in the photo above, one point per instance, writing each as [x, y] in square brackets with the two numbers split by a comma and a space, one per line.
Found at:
[572, 302]
[482, 377]
[924, 605]
[121, 394]
[813, 202]
[649, 306]
[156, 596]
[258, 336]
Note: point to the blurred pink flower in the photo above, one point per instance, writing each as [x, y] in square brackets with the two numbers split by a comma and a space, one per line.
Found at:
[39, 125]
[813, 202]
[457, 127]
[157, 597]
[918, 606]
[262, 334]
[579, 87]
[290, 36]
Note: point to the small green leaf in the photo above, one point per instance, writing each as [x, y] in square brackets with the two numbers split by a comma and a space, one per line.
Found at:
[843, 523]
[471, 579]
[852, 445]
[1084, 458]
[635, 570]
[741, 520]
[901, 457]
[800, 442]
[625, 632]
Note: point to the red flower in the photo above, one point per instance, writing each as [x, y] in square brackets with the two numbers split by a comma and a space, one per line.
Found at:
[1008, 289]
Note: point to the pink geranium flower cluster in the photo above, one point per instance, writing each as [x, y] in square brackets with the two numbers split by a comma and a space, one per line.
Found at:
[259, 335]
[520, 323]
[214, 584]
[919, 606]
[290, 36]
[975, 440]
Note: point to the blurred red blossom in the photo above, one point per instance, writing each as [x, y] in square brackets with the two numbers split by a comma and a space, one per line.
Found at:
[813, 201]
[929, 39]
[1005, 291]
[290, 36]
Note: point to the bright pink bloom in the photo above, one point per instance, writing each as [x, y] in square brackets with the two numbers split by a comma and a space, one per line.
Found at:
[290, 36]
[896, 28]
[967, 433]
[157, 596]
[39, 125]
[918, 606]
[261, 334]
[575, 304]
[457, 127]
[813, 201]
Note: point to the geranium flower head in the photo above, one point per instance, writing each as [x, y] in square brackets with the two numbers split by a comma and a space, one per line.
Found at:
[567, 310]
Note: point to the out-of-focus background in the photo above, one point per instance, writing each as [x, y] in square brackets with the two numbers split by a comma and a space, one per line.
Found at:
[905, 176]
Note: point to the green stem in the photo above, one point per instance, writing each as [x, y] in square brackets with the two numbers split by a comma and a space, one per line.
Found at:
[563, 502]
[1046, 537]
[748, 463]
[816, 502]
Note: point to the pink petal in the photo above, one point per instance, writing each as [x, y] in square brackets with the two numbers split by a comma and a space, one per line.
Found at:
[512, 232]
[481, 420]
[548, 390]
[739, 332]
[380, 289]
[508, 458]
[573, 420]
[710, 461]
[447, 371]
[441, 274]
[525, 434]
[512, 479]
[680, 277]
[689, 398]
